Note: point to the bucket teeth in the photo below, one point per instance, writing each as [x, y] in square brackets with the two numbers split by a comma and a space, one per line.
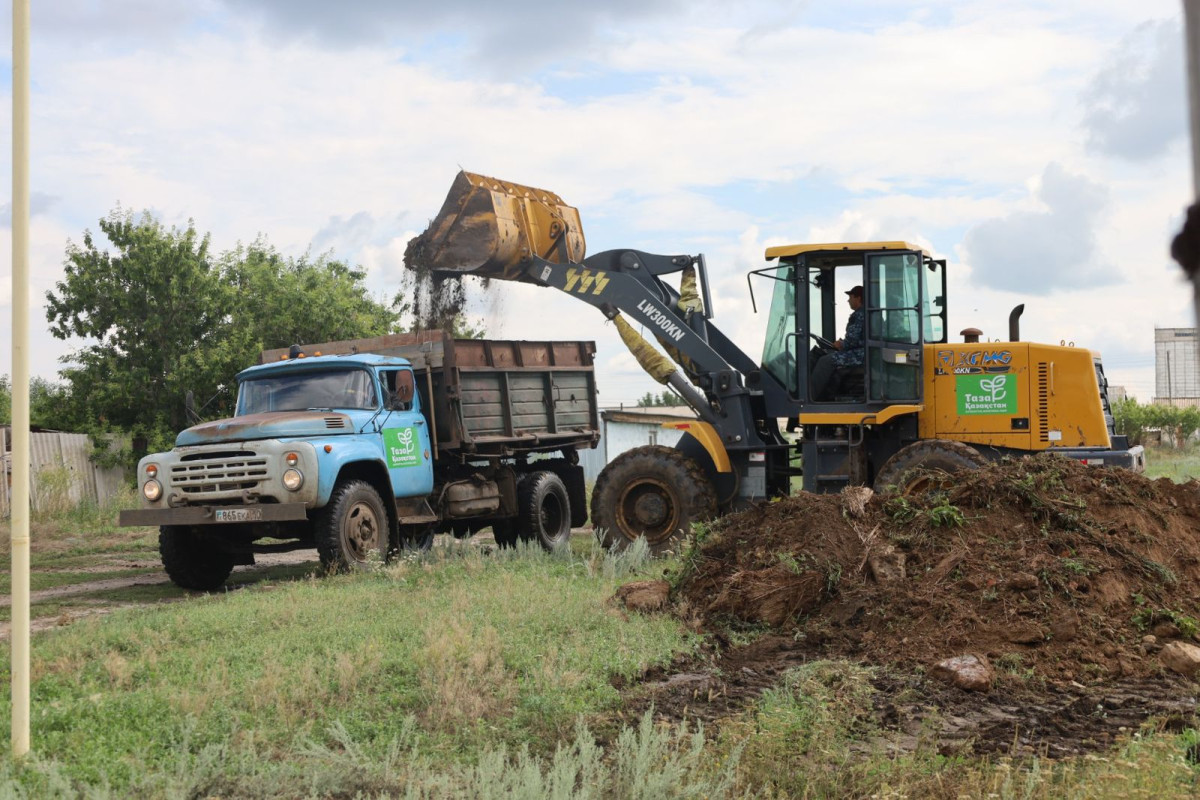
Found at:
[492, 228]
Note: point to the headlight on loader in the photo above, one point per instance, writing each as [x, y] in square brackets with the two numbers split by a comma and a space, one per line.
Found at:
[152, 490]
[292, 480]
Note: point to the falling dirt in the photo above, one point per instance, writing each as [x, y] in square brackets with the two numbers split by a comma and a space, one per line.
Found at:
[437, 299]
[1067, 579]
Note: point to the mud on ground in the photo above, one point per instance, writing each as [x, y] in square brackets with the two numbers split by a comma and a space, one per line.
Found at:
[1067, 579]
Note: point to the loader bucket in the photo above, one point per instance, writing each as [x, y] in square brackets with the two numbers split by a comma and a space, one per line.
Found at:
[492, 228]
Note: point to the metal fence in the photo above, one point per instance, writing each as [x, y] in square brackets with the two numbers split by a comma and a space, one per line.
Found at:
[61, 472]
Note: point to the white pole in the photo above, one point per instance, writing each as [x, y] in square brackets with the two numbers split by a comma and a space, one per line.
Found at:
[20, 382]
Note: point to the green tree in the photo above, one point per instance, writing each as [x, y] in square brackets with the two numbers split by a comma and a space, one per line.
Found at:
[667, 398]
[165, 317]
[49, 404]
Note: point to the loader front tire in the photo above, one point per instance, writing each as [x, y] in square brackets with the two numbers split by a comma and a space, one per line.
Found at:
[190, 561]
[925, 466]
[650, 492]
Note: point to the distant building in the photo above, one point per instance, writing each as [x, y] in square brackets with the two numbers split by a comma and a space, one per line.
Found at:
[1176, 369]
[1116, 393]
[623, 429]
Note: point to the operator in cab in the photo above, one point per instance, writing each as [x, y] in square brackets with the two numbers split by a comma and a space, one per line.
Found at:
[848, 351]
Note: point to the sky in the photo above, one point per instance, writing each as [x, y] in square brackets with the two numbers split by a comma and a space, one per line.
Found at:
[1041, 148]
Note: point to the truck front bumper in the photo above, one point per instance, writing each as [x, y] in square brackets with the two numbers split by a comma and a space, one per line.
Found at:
[213, 515]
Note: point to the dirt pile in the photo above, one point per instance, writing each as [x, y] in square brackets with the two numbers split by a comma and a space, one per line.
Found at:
[1046, 567]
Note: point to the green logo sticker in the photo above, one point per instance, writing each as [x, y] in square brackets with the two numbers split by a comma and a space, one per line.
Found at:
[987, 394]
[401, 445]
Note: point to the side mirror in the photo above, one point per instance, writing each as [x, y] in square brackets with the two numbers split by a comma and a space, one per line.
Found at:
[402, 397]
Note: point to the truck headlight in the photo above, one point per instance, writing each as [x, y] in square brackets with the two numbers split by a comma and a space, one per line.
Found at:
[152, 490]
[292, 480]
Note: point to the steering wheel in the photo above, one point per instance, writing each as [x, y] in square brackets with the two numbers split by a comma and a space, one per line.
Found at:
[822, 342]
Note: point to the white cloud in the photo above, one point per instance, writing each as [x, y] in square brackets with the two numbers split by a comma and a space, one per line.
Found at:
[1052, 247]
[1135, 107]
[919, 125]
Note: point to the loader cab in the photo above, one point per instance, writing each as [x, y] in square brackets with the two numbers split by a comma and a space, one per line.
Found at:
[902, 308]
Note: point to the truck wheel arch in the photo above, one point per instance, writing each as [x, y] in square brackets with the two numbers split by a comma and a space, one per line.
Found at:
[373, 473]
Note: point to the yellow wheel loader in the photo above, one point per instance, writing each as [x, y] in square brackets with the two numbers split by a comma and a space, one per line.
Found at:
[906, 405]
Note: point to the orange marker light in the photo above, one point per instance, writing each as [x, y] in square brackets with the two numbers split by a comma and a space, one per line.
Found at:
[328, 448]
[152, 470]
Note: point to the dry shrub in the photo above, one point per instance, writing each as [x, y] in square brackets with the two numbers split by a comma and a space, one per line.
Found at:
[211, 685]
[462, 675]
[119, 670]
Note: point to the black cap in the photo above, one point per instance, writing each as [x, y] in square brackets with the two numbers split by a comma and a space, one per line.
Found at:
[855, 292]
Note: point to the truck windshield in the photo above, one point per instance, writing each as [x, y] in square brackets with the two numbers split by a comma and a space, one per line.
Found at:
[350, 389]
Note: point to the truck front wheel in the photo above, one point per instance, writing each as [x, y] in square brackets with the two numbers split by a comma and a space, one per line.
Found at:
[544, 512]
[191, 562]
[653, 492]
[352, 530]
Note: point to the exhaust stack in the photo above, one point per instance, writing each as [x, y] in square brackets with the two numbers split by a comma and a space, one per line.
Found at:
[1014, 325]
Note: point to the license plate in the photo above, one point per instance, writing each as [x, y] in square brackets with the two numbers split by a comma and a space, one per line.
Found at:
[238, 514]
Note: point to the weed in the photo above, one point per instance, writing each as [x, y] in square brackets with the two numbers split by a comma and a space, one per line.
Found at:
[945, 515]
[1146, 618]
[1158, 571]
[901, 509]
[833, 576]
[1078, 566]
[791, 563]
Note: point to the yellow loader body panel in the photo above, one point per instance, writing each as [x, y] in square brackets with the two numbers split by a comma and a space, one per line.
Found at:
[1013, 394]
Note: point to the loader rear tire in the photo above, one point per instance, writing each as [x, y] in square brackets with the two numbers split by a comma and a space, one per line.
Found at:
[926, 466]
[650, 492]
[191, 562]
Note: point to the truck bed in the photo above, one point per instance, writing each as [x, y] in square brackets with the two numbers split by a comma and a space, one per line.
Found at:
[491, 397]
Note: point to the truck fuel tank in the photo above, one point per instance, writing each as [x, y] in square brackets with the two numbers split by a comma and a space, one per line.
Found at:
[491, 228]
[472, 497]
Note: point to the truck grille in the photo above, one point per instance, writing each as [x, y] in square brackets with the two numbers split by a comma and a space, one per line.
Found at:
[211, 473]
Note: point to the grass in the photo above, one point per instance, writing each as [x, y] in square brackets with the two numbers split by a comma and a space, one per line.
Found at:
[484, 654]
[461, 673]
[73, 535]
[815, 735]
[1180, 464]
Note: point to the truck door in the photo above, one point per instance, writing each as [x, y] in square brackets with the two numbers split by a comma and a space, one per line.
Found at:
[405, 436]
[894, 335]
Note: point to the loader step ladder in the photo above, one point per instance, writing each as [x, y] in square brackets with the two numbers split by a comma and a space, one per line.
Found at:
[835, 457]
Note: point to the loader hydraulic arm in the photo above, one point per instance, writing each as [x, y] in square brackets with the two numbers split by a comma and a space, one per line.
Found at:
[626, 281]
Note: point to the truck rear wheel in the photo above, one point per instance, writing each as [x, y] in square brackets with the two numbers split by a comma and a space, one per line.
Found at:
[191, 562]
[504, 531]
[925, 465]
[352, 527]
[544, 511]
[650, 492]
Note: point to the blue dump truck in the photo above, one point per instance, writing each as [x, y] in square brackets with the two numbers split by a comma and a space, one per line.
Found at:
[368, 447]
